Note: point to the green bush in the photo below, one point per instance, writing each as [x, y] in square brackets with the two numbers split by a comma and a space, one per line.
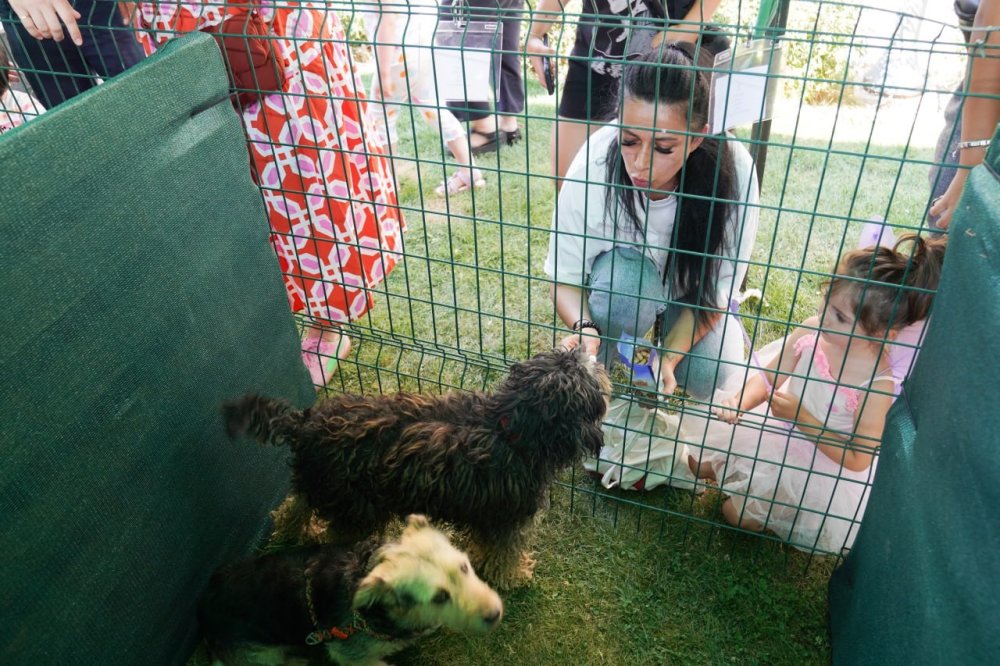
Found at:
[818, 45]
[818, 51]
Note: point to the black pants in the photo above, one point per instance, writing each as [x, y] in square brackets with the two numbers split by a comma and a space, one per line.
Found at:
[508, 89]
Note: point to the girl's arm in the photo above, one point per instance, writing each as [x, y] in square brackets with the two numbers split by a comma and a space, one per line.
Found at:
[571, 306]
[762, 382]
[858, 448]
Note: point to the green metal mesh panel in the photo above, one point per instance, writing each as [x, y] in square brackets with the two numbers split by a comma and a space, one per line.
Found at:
[921, 568]
[139, 294]
[863, 90]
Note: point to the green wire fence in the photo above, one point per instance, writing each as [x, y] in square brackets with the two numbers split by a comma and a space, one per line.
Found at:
[846, 135]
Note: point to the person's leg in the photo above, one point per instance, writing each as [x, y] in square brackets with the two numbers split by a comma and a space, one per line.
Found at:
[468, 176]
[588, 101]
[510, 87]
[109, 46]
[733, 515]
[702, 470]
[567, 137]
[715, 362]
[625, 295]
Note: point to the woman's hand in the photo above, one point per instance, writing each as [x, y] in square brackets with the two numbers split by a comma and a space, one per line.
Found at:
[944, 206]
[44, 19]
[728, 410]
[587, 337]
[668, 381]
[785, 406]
[536, 48]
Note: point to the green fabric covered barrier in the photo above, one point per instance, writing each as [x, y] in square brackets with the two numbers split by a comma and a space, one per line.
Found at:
[139, 293]
[920, 585]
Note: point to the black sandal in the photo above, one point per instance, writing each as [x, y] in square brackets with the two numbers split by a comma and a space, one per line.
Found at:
[513, 136]
[491, 145]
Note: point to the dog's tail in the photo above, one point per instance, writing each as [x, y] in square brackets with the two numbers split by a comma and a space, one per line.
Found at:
[268, 421]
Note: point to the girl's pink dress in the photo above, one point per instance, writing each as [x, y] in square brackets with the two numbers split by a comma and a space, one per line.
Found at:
[778, 477]
[331, 200]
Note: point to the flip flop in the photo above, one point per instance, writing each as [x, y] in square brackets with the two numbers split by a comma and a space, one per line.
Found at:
[513, 136]
[459, 182]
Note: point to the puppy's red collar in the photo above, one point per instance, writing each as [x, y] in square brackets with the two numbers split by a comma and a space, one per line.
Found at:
[505, 428]
[321, 635]
[357, 624]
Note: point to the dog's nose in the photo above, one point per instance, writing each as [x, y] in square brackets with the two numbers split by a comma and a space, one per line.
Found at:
[492, 617]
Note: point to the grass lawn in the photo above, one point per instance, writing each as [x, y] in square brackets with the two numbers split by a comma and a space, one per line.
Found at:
[622, 577]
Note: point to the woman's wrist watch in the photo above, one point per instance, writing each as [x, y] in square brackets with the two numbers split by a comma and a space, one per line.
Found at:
[586, 323]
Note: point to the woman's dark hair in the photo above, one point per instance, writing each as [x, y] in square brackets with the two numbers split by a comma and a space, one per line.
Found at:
[891, 287]
[707, 185]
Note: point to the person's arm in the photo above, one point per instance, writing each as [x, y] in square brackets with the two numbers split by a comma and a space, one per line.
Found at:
[571, 306]
[541, 21]
[979, 114]
[573, 245]
[682, 336]
[44, 19]
[763, 381]
[857, 448]
[701, 11]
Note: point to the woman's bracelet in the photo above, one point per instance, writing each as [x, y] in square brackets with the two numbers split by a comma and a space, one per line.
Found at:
[586, 323]
[979, 143]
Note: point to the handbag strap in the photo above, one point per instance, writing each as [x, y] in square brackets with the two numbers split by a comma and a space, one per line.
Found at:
[460, 11]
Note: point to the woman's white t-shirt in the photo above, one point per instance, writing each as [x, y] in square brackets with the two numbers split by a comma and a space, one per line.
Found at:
[582, 230]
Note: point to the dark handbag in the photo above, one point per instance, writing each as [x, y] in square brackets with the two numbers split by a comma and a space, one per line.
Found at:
[250, 58]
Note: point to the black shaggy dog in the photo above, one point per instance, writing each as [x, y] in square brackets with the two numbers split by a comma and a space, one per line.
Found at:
[351, 604]
[481, 461]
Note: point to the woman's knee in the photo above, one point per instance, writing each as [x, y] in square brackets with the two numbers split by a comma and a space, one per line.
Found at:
[625, 292]
[716, 362]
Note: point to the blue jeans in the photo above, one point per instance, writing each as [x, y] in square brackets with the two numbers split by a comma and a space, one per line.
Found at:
[57, 71]
[626, 295]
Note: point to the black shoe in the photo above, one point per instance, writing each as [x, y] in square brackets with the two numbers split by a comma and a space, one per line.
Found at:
[491, 145]
[513, 136]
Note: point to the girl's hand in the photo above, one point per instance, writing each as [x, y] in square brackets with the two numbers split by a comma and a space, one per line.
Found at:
[728, 410]
[785, 406]
[590, 341]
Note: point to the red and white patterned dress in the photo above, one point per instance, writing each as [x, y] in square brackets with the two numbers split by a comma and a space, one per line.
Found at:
[336, 226]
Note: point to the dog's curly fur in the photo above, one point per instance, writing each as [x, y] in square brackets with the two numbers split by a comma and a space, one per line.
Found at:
[402, 589]
[480, 461]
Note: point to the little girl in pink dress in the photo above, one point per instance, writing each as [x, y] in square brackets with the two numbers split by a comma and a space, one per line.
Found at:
[794, 451]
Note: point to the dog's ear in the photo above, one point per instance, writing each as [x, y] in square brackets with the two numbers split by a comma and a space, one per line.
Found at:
[592, 439]
[374, 591]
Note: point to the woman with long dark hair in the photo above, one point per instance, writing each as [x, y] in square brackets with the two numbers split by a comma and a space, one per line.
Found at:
[655, 225]
[608, 33]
